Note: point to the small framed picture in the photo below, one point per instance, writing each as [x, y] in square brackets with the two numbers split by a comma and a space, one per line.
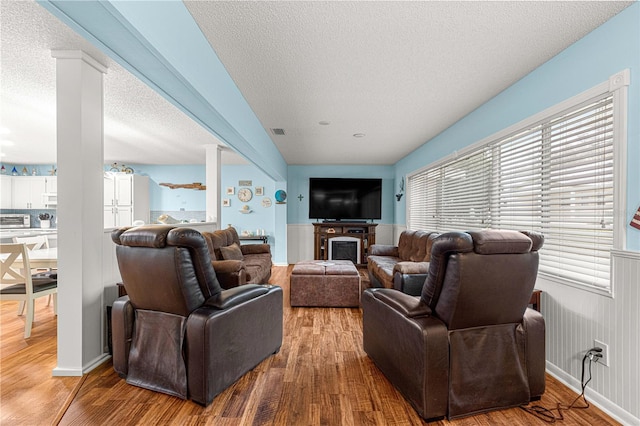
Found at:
[259, 190]
[231, 190]
[226, 202]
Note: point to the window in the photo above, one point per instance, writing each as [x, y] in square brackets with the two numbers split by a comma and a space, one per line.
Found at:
[553, 174]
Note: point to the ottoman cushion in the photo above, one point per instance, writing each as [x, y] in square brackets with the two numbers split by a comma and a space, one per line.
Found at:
[320, 283]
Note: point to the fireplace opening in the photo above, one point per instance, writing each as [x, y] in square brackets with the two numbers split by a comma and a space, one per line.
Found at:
[344, 248]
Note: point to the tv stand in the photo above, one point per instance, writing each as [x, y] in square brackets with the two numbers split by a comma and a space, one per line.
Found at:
[338, 221]
[323, 232]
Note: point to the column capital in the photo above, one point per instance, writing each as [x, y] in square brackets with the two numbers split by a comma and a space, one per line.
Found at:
[79, 54]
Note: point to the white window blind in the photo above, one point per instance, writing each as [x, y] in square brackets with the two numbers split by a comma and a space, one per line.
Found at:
[555, 177]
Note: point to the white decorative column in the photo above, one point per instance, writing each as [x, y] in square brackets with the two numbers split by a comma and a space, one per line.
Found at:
[80, 136]
[213, 178]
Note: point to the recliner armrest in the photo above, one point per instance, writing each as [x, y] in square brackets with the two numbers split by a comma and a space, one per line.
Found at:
[383, 250]
[226, 266]
[255, 248]
[409, 306]
[409, 283]
[411, 267]
[237, 295]
[122, 321]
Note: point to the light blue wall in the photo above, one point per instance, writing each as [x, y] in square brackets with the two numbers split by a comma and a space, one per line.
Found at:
[260, 217]
[163, 198]
[609, 49]
[298, 183]
[270, 219]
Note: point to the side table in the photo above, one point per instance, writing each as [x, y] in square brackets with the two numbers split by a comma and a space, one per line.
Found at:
[121, 290]
[535, 299]
[263, 238]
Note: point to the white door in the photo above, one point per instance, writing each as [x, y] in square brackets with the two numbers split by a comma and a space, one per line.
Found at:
[124, 190]
[124, 216]
[109, 217]
[109, 191]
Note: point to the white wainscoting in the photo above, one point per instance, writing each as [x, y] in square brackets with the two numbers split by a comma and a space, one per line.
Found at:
[574, 318]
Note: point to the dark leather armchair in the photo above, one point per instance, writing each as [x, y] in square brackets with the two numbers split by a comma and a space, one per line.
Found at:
[177, 331]
[469, 343]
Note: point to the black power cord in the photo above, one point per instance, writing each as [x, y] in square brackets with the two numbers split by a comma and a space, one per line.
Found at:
[549, 414]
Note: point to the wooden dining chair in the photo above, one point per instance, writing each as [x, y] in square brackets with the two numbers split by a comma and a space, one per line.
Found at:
[37, 242]
[18, 284]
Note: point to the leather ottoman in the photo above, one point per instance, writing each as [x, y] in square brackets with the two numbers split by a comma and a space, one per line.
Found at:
[333, 283]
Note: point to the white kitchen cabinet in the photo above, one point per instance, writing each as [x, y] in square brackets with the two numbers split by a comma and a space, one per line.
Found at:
[118, 216]
[126, 199]
[6, 192]
[51, 184]
[118, 189]
[27, 192]
[50, 197]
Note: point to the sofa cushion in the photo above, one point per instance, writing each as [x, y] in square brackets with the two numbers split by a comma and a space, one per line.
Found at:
[408, 260]
[382, 268]
[411, 267]
[412, 246]
[232, 252]
[218, 239]
[258, 268]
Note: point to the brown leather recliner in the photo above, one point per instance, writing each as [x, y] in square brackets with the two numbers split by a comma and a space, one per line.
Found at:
[469, 343]
[177, 331]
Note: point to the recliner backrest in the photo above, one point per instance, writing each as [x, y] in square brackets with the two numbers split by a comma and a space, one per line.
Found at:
[165, 268]
[481, 278]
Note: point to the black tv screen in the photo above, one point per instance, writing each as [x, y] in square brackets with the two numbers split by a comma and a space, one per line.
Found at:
[345, 199]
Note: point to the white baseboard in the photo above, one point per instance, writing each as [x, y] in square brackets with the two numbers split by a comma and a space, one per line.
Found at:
[74, 372]
[66, 372]
[593, 397]
[96, 362]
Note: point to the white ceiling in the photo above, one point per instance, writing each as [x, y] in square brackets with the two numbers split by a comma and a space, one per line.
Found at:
[398, 72]
[140, 126]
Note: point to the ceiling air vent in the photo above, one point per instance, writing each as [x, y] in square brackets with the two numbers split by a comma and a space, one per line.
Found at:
[278, 132]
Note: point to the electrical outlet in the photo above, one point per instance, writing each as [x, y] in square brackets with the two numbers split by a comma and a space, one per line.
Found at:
[605, 352]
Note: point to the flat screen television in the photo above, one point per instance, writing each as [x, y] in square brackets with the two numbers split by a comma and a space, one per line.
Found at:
[345, 199]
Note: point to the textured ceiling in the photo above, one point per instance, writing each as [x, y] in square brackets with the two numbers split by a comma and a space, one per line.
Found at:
[141, 127]
[398, 72]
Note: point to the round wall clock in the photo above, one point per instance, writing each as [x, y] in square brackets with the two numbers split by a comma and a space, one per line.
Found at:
[245, 194]
[266, 202]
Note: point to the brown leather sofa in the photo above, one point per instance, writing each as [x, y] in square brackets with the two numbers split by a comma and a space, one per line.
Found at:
[251, 264]
[403, 267]
[177, 331]
[469, 343]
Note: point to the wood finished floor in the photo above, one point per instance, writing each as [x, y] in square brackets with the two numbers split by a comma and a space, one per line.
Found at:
[321, 376]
